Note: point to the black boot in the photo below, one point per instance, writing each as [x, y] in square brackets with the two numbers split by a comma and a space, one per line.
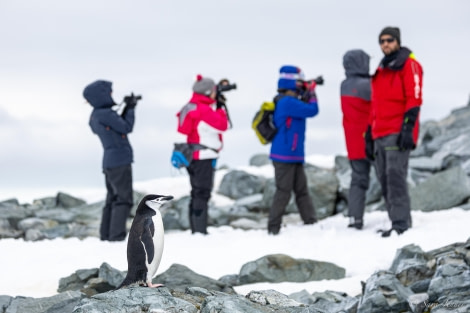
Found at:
[355, 223]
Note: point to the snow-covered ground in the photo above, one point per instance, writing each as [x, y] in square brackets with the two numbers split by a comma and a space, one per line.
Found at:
[34, 268]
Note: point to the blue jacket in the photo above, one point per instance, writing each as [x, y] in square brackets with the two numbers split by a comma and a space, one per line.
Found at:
[111, 128]
[290, 119]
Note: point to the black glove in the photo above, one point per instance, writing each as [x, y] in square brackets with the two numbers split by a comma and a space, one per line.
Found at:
[369, 144]
[131, 101]
[405, 138]
[319, 80]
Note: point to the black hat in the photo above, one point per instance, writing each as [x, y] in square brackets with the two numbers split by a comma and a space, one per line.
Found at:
[392, 31]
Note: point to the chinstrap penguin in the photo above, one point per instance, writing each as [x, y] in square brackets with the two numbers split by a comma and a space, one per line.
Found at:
[145, 242]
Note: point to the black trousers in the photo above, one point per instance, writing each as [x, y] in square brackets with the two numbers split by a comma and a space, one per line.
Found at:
[290, 177]
[201, 176]
[119, 201]
[392, 170]
[358, 187]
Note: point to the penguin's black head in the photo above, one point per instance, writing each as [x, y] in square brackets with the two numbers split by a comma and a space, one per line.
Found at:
[155, 201]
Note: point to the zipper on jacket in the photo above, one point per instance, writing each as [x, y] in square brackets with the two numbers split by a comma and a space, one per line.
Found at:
[294, 143]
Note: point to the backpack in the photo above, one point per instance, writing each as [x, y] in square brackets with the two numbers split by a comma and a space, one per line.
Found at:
[182, 155]
[263, 123]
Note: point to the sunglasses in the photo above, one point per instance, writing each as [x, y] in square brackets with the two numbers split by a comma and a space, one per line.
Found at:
[389, 40]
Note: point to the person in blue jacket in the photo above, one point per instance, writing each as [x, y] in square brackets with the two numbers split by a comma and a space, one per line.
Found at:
[296, 101]
[112, 129]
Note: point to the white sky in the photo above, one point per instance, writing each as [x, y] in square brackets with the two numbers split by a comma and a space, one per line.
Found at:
[52, 49]
[224, 251]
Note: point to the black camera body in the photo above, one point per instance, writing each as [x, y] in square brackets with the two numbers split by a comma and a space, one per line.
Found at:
[226, 87]
[319, 80]
[131, 100]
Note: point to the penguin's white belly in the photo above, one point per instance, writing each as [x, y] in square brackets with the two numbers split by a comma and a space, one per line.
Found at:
[158, 246]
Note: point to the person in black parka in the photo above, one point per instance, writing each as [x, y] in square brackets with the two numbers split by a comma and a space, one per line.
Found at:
[112, 129]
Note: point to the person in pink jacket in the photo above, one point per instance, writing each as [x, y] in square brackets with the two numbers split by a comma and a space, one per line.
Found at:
[202, 120]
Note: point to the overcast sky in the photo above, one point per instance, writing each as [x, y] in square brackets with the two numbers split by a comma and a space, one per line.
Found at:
[51, 49]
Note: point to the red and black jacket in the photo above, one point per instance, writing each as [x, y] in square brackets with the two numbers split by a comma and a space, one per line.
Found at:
[396, 89]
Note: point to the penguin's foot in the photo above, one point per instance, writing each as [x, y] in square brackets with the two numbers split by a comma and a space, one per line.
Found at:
[151, 285]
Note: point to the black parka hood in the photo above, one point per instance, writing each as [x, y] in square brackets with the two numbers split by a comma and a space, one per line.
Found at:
[356, 63]
[98, 94]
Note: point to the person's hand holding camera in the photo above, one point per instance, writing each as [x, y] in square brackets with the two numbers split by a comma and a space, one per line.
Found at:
[130, 102]
[319, 80]
[310, 86]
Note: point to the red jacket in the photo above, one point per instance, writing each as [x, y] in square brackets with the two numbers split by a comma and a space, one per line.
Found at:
[355, 102]
[394, 92]
[203, 125]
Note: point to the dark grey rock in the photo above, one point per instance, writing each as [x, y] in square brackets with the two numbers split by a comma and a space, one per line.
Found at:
[323, 186]
[77, 280]
[411, 264]
[458, 302]
[111, 275]
[179, 277]
[260, 160]
[5, 302]
[449, 279]
[230, 304]
[14, 213]
[8, 231]
[420, 286]
[253, 203]
[282, 268]
[36, 223]
[332, 301]
[303, 297]
[271, 297]
[428, 196]
[231, 280]
[59, 303]
[59, 214]
[238, 184]
[176, 216]
[383, 292]
[9, 202]
[47, 202]
[135, 299]
[418, 302]
[67, 201]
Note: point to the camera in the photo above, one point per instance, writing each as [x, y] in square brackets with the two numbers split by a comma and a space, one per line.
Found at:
[319, 80]
[224, 85]
[131, 100]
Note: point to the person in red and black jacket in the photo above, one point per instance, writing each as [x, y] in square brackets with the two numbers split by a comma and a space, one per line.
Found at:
[355, 105]
[394, 122]
[202, 120]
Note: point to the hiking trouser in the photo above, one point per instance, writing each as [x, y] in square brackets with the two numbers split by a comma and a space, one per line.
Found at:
[201, 176]
[290, 177]
[358, 187]
[118, 205]
[392, 169]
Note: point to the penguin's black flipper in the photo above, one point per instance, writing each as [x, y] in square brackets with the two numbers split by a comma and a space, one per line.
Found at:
[147, 239]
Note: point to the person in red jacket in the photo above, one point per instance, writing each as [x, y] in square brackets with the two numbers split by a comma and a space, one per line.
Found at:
[202, 120]
[394, 122]
[355, 105]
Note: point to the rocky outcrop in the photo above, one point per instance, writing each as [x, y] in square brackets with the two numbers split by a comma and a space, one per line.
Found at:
[417, 281]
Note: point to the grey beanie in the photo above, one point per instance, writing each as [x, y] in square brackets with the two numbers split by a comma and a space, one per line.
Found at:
[392, 31]
[203, 85]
